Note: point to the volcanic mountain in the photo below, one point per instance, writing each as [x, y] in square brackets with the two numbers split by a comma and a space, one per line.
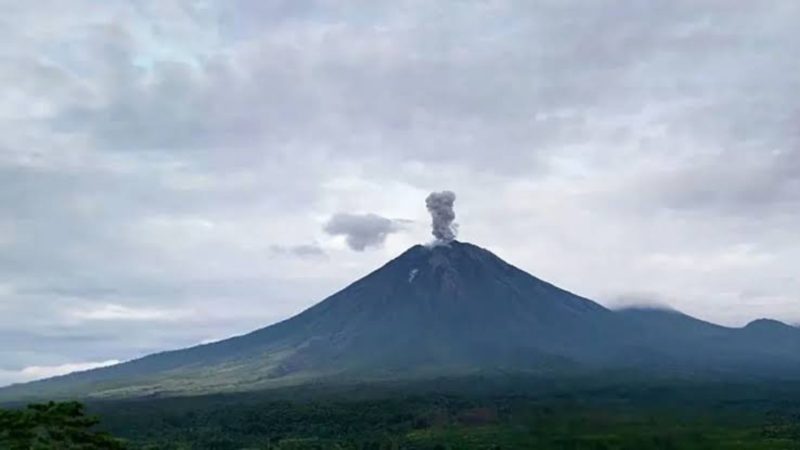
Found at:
[444, 310]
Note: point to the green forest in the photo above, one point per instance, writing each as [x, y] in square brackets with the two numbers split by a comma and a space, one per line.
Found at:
[685, 416]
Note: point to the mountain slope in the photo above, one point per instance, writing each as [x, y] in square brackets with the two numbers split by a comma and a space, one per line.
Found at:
[763, 348]
[449, 309]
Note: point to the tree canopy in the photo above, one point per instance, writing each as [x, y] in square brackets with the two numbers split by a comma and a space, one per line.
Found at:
[62, 425]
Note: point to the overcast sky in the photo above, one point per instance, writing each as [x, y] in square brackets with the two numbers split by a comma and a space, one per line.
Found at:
[174, 172]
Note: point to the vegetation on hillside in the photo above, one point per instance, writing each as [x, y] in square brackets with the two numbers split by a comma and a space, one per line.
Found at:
[52, 425]
[755, 416]
[589, 415]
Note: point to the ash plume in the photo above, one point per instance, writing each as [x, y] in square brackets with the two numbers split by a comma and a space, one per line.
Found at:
[440, 205]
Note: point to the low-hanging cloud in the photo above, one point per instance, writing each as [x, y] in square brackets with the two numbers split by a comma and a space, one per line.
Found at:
[362, 230]
[31, 373]
[300, 250]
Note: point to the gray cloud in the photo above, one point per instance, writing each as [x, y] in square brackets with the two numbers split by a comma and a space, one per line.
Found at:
[301, 250]
[362, 230]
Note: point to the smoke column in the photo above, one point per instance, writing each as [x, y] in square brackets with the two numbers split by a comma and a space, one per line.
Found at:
[440, 205]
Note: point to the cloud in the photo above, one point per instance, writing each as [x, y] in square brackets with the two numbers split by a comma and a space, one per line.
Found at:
[362, 230]
[301, 250]
[31, 373]
[126, 313]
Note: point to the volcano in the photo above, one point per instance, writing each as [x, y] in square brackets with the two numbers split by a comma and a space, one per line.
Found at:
[444, 310]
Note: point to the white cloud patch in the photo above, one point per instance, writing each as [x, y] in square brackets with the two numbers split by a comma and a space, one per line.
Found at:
[32, 373]
[125, 313]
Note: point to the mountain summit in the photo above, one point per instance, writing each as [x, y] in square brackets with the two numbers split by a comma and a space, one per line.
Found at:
[446, 309]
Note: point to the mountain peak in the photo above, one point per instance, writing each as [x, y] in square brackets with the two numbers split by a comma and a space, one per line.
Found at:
[455, 254]
[764, 322]
[448, 270]
[766, 325]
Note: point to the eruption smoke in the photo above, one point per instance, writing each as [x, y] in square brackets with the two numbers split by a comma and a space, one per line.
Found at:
[440, 205]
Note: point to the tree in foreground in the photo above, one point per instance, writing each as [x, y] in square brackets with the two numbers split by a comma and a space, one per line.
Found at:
[62, 425]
